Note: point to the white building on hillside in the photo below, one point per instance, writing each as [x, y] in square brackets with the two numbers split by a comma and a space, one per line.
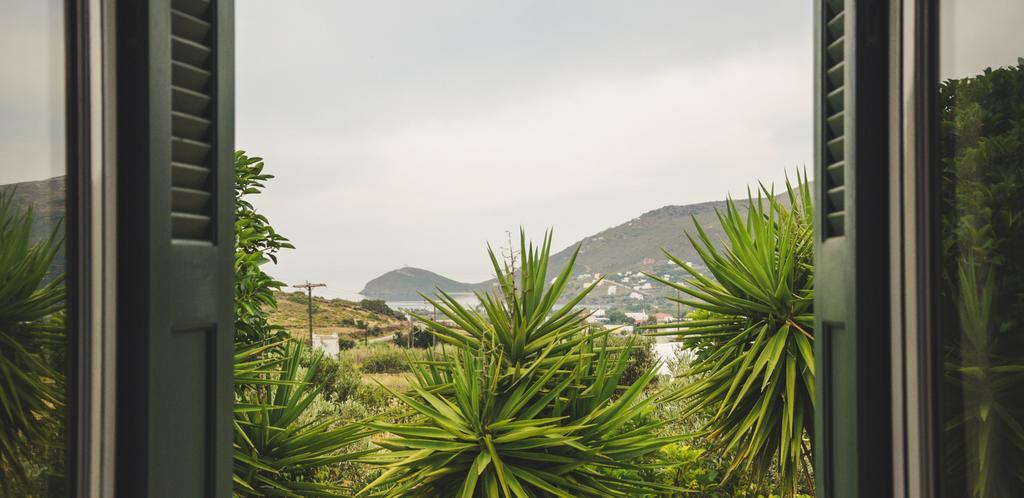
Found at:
[636, 295]
[612, 290]
[638, 317]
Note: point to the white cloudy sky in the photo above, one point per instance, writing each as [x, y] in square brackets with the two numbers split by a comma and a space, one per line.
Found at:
[412, 132]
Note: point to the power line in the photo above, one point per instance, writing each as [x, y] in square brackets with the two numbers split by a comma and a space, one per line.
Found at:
[309, 291]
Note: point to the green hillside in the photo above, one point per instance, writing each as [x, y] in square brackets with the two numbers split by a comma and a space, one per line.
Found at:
[619, 253]
[333, 316]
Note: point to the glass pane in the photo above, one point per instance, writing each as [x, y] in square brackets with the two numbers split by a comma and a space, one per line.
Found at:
[981, 156]
[32, 257]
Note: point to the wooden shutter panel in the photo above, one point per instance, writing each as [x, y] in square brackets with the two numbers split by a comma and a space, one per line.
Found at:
[852, 428]
[175, 246]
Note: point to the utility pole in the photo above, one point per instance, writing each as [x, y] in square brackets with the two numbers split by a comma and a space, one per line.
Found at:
[309, 293]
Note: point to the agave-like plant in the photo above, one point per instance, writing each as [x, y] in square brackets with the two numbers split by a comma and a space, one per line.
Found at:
[529, 402]
[31, 301]
[756, 374]
[276, 453]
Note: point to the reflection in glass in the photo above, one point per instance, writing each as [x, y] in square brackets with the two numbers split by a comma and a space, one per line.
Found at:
[981, 156]
[33, 338]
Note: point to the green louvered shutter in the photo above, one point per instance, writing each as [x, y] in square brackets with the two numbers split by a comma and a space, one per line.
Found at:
[175, 237]
[852, 429]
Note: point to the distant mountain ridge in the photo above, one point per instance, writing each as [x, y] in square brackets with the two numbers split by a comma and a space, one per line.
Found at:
[633, 246]
[404, 284]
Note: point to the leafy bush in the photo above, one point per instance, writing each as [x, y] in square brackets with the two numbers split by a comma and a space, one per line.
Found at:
[757, 374]
[385, 360]
[420, 338]
[256, 243]
[337, 380]
[981, 146]
[380, 307]
[346, 343]
[528, 403]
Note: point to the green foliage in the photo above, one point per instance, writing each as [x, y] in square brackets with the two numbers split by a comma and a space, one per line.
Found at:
[981, 145]
[618, 317]
[379, 306]
[530, 401]
[757, 374]
[421, 338]
[338, 380]
[385, 360]
[31, 338]
[276, 451]
[256, 243]
[642, 357]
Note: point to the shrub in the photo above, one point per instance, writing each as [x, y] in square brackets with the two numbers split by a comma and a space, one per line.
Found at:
[276, 452]
[420, 338]
[337, 380]
[757, 373]
[385, 360]
[528, 402]
[32, 336]
[346, 343]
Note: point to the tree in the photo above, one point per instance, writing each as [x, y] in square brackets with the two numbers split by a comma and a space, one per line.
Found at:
[618, 317]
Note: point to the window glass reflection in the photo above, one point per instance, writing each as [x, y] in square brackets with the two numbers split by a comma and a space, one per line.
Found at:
[981, 156]
[33, 339]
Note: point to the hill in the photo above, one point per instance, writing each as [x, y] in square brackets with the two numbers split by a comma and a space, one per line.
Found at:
[334, 316]
[618, 253]
[47, 200]
[404, 284]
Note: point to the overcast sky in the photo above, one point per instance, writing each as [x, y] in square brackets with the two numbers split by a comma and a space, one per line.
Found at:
[413, 132]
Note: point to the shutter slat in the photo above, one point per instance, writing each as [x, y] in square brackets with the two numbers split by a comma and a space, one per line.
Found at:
[835, 100]
[188, 226]
[836, 172]
[185, 100]
[835, 50]
[836, 149]
[189, 51]
[190, 27]
[189, 77]
[197, 8]
[836, 123]
[835, 74]
[836, 222]
[189, 176]
[837, 198]
[189, 151]
[835, 25]
[189, 200]
[189, 126]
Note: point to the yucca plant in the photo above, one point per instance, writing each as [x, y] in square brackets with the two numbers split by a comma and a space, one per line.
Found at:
[276, 453]
[31, 332]
[755, 375]
[527, 403]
